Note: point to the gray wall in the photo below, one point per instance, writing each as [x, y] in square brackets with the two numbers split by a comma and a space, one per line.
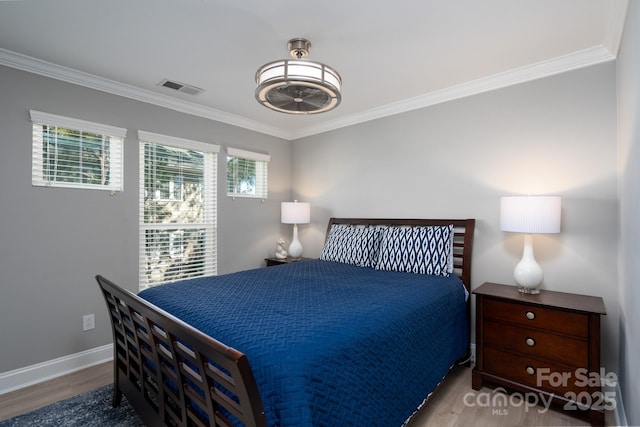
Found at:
[53, 241]
[554, 136]
[629, 157]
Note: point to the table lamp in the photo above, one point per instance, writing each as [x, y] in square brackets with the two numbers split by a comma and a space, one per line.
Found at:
[295, 213]
[529, 215]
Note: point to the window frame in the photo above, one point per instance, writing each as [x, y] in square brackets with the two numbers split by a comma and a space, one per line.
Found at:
[171, 229]
[261, 176]
[115, 135]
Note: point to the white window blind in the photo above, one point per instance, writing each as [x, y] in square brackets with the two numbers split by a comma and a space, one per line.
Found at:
[74, 153]
[178, 234]
[247, 173]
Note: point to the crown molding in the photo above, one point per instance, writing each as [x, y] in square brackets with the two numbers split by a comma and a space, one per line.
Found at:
[615, 25]
[608, 51]
[69, 75]
[528, 73]
[573, 61]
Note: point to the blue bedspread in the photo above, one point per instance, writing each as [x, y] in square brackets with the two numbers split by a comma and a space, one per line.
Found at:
[331, 344]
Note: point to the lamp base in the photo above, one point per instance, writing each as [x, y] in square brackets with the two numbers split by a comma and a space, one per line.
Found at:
[528, 273]
[530, 291]
[295, 248]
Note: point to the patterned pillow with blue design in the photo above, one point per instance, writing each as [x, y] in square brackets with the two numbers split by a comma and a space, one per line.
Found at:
[421, 250]
[353, 245]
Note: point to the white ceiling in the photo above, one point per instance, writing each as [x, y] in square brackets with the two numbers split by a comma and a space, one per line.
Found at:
[393, 56]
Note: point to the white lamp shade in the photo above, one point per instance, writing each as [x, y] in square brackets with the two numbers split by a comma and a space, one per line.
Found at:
[295, 213]
[530, 214]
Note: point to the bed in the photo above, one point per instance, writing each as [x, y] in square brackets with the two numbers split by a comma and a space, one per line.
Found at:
[361, 336]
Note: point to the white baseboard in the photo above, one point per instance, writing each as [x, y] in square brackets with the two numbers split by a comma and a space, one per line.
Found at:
[34, 374]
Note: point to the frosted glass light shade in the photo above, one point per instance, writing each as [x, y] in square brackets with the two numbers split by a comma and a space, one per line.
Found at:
[529, 215]
[298, 86]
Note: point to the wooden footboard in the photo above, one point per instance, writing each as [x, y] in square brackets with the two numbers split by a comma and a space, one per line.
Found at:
[172, 373]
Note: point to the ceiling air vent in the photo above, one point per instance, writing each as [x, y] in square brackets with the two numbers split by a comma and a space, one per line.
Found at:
[181, 87]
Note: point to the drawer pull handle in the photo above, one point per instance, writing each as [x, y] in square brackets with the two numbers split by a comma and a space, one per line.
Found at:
[530, 342]
[530, 370]
[530, 315]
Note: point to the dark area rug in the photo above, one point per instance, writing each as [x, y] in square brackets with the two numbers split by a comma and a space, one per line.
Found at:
[88, 409]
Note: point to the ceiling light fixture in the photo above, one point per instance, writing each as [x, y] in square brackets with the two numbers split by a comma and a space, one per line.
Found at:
[298, 86]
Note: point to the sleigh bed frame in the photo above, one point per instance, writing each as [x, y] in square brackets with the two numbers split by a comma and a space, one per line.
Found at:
[160, 362]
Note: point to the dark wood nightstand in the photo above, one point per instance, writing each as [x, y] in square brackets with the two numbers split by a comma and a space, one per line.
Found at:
[548, 344]
[277, 261]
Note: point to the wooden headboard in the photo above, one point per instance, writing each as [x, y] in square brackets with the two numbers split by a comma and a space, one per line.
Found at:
[462, 243]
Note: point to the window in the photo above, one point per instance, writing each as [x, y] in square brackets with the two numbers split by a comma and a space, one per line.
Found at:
[177, 209]
[75, 153]
[246, 173]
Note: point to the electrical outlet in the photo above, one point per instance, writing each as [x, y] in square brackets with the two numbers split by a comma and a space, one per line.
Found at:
[88, 322]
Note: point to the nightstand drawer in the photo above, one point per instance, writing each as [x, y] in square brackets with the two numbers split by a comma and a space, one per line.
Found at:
[554, 348]
[546, 342]
[527, 371]
[549, 319]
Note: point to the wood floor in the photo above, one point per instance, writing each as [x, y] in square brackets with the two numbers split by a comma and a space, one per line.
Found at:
[455, 403]
[39, 395]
